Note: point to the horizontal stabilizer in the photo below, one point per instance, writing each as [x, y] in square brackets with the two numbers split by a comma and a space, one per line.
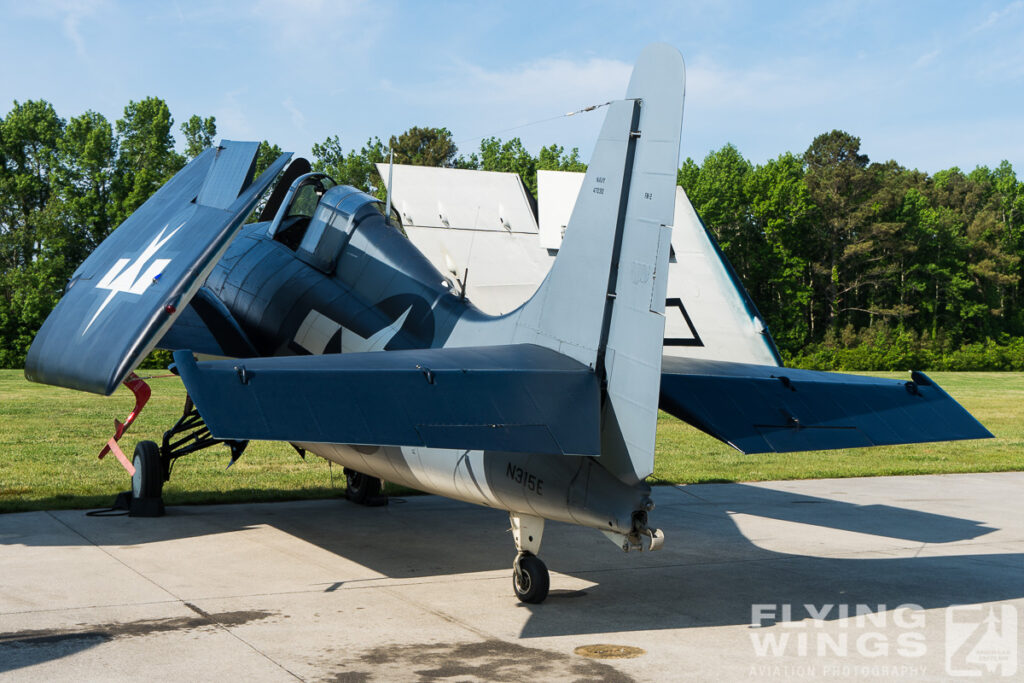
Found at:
[516, 398]
[131, 289]
[762, 408]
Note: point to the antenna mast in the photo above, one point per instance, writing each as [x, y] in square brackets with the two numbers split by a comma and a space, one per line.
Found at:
[391, 168]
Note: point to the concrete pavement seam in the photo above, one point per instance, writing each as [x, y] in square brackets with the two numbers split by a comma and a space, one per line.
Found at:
[190, 606]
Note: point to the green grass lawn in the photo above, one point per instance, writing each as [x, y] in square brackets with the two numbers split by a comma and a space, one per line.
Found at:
[51, 437]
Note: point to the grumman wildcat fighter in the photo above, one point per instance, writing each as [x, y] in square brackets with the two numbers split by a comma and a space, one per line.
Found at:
[336, 334]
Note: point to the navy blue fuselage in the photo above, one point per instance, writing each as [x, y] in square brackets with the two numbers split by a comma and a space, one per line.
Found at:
[284, 301]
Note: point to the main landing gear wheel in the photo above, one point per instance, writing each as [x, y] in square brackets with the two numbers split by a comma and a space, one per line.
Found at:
[148, 481]
[530, 579]
[363, 489]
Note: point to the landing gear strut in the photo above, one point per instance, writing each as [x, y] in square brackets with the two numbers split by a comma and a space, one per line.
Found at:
[363, 489]
[190, 434]
[530, 578]
[153, 463]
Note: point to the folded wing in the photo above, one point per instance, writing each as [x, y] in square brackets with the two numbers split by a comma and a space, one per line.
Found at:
[762, 408]
[130, 290]
[515, 398]
[206, 326]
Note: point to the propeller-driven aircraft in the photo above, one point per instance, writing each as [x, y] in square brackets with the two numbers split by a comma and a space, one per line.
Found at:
[322, 325]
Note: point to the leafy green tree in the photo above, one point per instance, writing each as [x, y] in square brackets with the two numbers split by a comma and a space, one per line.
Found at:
[719, 194]
[974, 269]
[147, 158]
[85, 180]
[27, 295]
[688, 173]
[29, 139]
[853, 264]
[424, 147]
[357, 169]
[884, 254]
[199, 134]
[29, 136]
[265, 156]
[840, 188]
[781, 210]
[992, 268]
[554, 158]
[939, 283]
[471, 163]
[1006, 199]
[509, 157]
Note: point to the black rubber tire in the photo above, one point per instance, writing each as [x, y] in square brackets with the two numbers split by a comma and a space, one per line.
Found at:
[361, 488]
[148, 480]
[531, 582]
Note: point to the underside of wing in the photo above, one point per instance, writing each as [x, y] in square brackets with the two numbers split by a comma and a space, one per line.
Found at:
[207, 327]
[133, 287]
[761, 408]
[514, 398]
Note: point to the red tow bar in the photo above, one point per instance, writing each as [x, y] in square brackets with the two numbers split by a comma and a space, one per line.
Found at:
[142, 393]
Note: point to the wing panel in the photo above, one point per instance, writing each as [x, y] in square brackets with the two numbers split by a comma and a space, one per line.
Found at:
[131, 289]
[232, 169]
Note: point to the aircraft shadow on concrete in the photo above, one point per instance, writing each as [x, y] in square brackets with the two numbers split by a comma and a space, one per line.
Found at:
[709, 574]
[19, 651]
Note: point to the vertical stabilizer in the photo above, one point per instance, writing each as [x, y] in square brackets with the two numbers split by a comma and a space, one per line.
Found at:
[632, 354]
[603, 302]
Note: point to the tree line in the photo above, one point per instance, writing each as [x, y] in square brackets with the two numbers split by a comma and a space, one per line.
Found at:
[854, 264]
[864, 265]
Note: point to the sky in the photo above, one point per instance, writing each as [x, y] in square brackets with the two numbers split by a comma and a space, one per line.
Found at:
[929, 84]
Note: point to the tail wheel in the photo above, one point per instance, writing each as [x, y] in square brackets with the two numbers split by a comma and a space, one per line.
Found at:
[361, 488]
[530, 579]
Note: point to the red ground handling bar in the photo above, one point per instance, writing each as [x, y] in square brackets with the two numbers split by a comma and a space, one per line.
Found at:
[142, 393]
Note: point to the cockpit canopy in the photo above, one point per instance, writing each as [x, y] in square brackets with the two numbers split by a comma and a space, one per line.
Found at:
[318, 216]
[298, 207]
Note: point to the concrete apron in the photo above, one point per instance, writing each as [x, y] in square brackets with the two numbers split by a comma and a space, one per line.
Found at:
[824, 579]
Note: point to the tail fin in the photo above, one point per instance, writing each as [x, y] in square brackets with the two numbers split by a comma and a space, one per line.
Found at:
[603, 302]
